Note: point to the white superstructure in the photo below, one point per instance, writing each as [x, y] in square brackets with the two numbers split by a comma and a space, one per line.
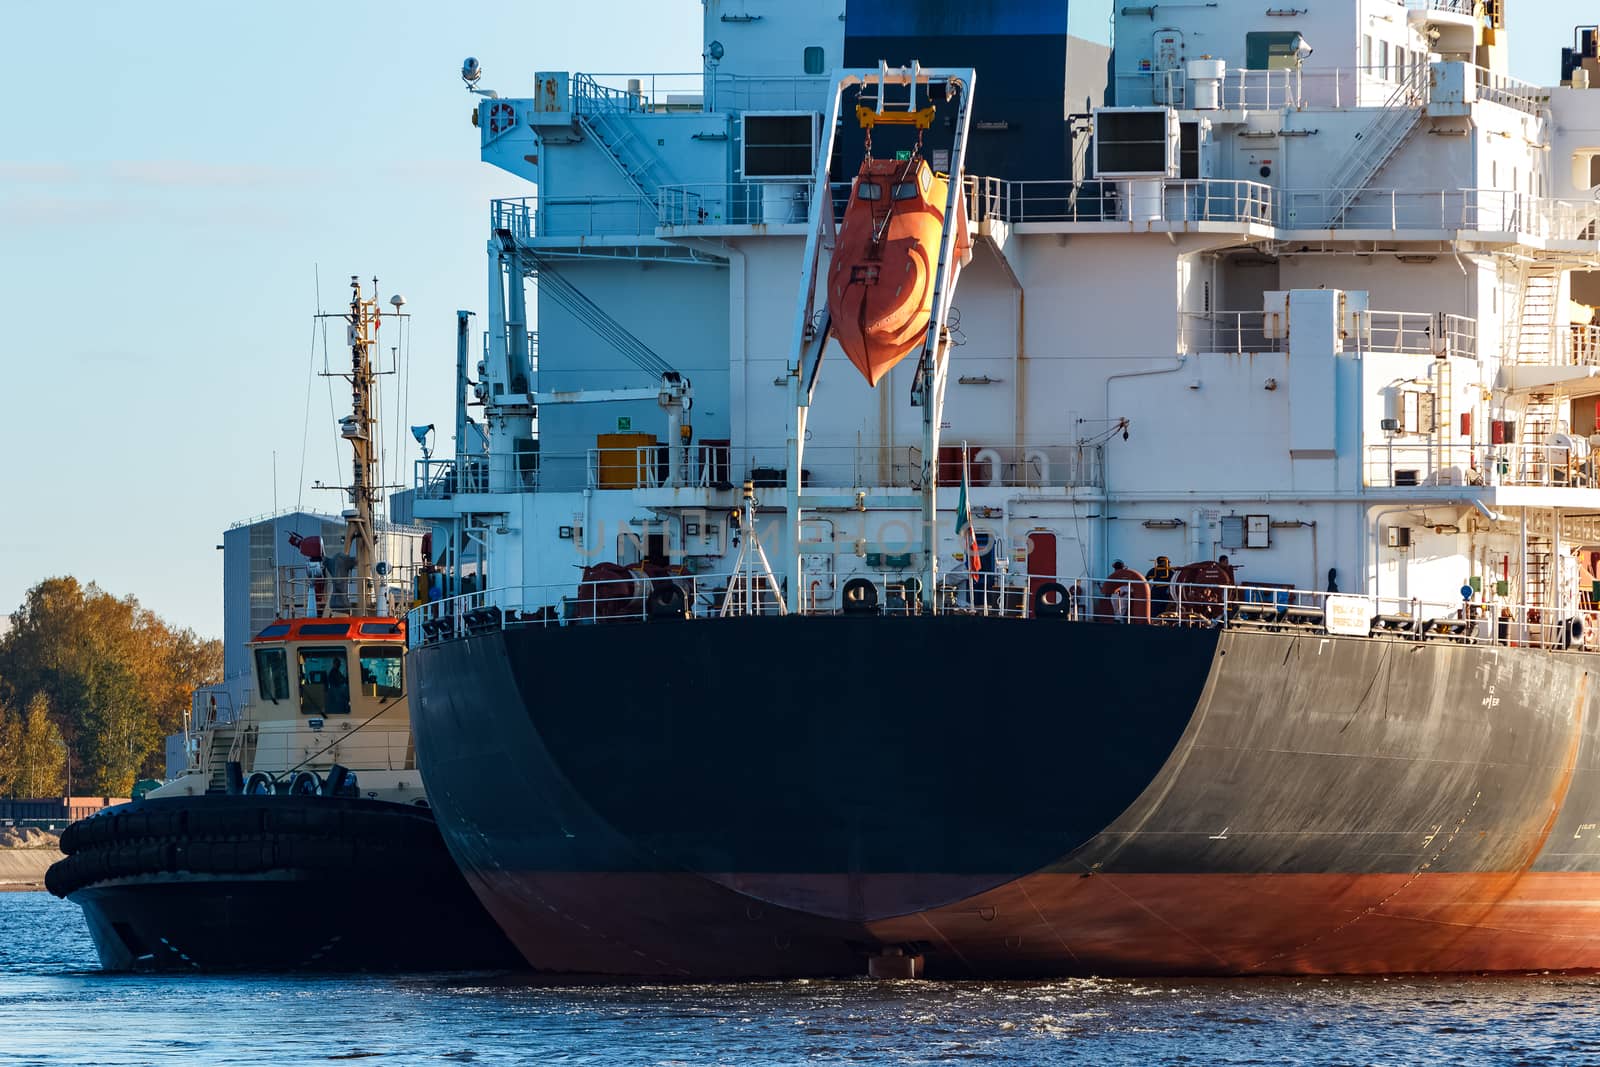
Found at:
[1313, 289]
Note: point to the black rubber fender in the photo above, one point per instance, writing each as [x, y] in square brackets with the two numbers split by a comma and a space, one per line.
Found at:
[860, 597]
[231, 821]
[666, 601]
[1043, 609]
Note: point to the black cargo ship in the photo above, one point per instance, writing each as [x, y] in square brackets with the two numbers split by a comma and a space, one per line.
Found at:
[1165, 800]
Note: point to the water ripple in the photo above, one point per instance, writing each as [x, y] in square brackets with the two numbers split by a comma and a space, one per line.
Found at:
[57, 1010]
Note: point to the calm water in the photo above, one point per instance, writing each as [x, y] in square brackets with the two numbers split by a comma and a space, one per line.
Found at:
[56, 1009]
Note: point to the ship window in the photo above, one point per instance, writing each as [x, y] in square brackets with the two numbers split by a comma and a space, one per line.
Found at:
[380, 628]
[779, 144]
[272, 673]
[905, 191]
[814, 60]
[1275, 50]
[324, 682]
[277, 629]
[382, 672]
[869, 191]
[324, 629]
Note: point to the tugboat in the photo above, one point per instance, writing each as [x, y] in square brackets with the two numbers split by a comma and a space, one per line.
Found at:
[300, 837]
[1314, 332]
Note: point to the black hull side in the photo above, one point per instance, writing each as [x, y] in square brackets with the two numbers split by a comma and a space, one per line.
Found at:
[223, 883]
[783, 797]
[692, 807]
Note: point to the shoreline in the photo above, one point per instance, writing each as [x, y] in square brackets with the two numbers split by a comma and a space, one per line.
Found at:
[22, 869]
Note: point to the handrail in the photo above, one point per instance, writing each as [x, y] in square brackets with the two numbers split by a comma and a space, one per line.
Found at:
[1480, 619]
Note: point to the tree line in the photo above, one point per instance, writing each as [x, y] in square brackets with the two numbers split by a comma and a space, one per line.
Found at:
[90, 686]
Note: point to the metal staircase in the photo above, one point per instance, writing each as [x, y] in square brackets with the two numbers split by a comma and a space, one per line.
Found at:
[633, 159]
[217, 761]
[1536, 323]
[1379, 142]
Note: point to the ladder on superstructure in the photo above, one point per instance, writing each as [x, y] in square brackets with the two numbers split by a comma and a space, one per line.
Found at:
[1535, 321]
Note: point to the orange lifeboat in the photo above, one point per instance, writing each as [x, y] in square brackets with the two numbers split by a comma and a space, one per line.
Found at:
[880, 286]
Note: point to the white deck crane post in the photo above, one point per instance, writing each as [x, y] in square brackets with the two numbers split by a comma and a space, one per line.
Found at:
[811, 325]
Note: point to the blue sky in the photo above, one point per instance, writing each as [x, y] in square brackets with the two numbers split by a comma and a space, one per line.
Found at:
[171, 177]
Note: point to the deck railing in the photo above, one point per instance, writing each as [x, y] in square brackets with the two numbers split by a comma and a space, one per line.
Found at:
[716, 465]
[1420, 463]
[678, 597]
[1403, 332]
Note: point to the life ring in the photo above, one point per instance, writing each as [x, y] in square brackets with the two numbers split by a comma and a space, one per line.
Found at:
[860, 597]
[260, 784]
[1052, 600]
[502, 116]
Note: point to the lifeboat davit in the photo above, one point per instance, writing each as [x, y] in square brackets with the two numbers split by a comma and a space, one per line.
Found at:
[880, 286]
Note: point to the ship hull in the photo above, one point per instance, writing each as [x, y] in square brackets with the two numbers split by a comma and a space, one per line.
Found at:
[1056, 798]
[291, 883]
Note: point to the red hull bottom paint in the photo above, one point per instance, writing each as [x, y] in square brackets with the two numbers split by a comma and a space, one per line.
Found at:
[1066, 924]
[1171, 924]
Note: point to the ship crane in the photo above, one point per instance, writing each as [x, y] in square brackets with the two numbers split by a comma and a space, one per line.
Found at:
[513, 368]
[813, 324]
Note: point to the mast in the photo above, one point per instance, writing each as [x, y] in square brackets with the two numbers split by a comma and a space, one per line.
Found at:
[360, 539]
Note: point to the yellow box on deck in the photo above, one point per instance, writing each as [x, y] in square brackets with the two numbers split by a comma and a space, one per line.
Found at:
[622, 463]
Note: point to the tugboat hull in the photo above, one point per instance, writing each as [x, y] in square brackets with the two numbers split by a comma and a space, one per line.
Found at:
[1075, 799]
[230, 883]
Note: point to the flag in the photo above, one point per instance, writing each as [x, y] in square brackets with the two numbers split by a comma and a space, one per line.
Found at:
[964, 530]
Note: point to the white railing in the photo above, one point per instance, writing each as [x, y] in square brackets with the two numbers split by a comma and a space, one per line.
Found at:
[1236, 332]
[1511, 92]
[1402, 332]
[513, 215]
[1418, 333]
[1279, 90]
[1451, 210]
[628, 92]
[1577, 346]
[693, 91]
[1215, 201]
[764, 203]
[851, 467]
[671, 596]
[499, 472]
[1404, 464]
[716, 465]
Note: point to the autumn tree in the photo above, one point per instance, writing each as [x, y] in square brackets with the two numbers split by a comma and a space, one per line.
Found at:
[10, 748]
[115, 678]
[41, 755]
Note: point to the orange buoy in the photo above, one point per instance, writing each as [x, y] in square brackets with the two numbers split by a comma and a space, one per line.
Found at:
[880, 286]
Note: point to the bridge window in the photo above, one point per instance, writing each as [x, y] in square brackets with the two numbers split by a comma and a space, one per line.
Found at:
[382, 672]
[272, 673]
[324, 682]
[814, 60]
